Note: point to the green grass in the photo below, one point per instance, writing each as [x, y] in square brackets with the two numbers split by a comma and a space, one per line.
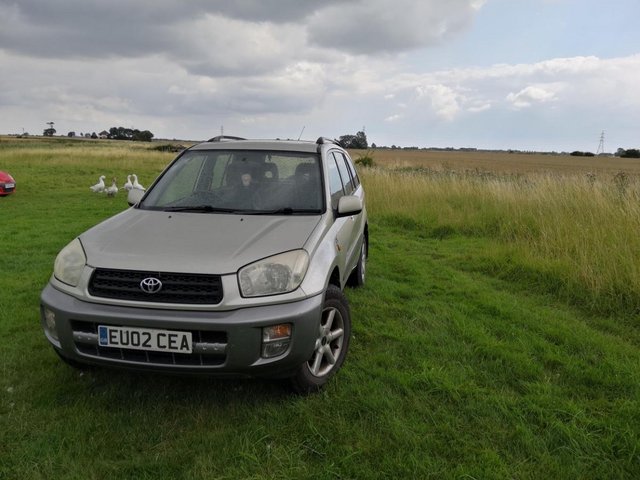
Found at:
[569, 235]
[465, 362]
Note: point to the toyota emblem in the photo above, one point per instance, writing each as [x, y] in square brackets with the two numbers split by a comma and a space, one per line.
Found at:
[151, 285]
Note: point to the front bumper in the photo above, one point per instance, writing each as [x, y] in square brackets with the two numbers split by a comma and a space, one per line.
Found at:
[224, 342]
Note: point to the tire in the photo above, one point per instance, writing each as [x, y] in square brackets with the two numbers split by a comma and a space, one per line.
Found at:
[332, 343]
[358, 276]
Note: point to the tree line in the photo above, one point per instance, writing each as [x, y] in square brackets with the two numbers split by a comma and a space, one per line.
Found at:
[116, 133]
[628, 153]
[121, 133]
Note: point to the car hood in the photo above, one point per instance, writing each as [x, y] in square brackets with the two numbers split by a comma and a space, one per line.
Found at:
[5, 177]
[192, 242]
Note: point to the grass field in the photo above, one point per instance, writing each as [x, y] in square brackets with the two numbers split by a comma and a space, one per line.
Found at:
[503, 162]
[498, 336]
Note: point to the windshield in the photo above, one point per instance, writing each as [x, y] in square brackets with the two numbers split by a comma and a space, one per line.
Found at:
[240, 181]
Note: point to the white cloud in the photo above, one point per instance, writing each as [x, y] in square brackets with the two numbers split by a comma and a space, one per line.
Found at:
[444, 100]
[532, 94]
[479, 107]
[561, 82]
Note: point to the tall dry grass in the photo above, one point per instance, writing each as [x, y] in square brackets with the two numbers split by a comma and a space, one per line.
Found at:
[577, 234]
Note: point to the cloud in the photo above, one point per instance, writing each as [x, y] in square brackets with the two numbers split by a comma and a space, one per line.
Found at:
[249, 58]
[219, 46]
[479, 107]
[383, 26]
[532, 94]
[220, 36]
[272, 66]
[560, 82]
[444, 100]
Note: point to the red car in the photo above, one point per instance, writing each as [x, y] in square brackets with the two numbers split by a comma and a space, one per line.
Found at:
[7, 184]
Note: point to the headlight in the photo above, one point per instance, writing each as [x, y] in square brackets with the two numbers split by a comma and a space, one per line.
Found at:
[281, 273]
[70, 263]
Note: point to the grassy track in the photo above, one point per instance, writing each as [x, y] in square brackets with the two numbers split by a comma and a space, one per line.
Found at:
[456, 370]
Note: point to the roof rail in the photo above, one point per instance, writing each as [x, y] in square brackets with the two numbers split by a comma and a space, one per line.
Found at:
[224, 138]
[323, 140]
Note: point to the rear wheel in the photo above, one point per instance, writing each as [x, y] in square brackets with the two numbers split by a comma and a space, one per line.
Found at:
[358, 276]
[332, 343]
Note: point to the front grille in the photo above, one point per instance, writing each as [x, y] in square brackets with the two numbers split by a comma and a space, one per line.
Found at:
[209, 348]
[176, 287]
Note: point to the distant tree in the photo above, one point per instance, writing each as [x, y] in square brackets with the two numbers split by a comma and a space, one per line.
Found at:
[49, 132]
[71, 134]
[631, 153]
[620, 152]
[582, 154]
[121, 133]
[144, 136]
[346, 141]
[94, 136]
[373, 145]
[359, 140]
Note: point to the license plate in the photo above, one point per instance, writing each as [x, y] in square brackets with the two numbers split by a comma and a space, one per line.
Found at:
[144, 339]
[9, 185]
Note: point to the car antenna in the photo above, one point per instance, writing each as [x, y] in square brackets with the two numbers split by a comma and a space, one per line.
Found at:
[301, 131]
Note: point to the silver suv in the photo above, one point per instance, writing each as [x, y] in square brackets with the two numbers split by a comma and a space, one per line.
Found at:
[233, 262]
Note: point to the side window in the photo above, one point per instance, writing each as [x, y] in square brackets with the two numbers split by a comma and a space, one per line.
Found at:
[354, 175]
[344, 173]
[335, 183]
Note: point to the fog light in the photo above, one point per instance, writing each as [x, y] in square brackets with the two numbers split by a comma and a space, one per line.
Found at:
[275, 340]
[50, 322]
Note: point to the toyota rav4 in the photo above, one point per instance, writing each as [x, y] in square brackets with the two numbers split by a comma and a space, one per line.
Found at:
[233, 262]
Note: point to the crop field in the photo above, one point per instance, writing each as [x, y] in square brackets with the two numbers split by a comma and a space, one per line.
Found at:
[503, 162]
[498, 334]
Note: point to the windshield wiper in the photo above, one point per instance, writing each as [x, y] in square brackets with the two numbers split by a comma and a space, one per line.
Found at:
[288, 211]
[210, 209]
[197, 208]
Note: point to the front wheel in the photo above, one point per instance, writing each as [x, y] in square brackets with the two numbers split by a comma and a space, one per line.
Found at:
[332, 343]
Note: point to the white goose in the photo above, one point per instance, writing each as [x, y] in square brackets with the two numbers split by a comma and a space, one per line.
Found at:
[113, 189]
[98, 187]
[136, 185]
[128, 185]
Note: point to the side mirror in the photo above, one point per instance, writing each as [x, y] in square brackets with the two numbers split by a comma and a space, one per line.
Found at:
[349, 205]
[134, 196]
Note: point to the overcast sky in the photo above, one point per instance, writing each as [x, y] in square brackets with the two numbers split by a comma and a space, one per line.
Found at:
[524, 74]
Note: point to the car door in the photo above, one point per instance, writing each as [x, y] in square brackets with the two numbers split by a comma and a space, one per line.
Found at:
[347, 229]
[351, 186]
